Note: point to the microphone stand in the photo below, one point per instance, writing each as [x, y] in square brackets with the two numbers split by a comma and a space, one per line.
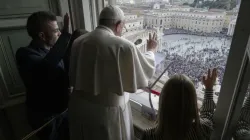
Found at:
[150, 92]
[137, 42]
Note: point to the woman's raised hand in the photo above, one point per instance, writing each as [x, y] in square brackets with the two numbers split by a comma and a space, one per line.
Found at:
[210, 79]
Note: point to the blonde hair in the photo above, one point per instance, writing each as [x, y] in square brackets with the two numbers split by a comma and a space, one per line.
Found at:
[178, 109]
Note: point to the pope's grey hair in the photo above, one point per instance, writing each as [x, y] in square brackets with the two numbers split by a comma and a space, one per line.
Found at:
[109, 22]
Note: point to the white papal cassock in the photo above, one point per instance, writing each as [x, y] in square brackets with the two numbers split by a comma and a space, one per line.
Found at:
[103, 69]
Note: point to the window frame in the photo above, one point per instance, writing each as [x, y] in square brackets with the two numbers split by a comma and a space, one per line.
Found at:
[230, 100]
[85, 13]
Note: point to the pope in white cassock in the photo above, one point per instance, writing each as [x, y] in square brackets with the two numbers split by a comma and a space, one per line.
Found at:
[104, 70]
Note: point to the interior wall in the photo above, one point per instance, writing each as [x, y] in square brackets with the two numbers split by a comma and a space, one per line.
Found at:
[18, 121]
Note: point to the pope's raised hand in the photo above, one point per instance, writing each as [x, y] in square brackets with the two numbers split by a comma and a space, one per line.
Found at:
[152, 42]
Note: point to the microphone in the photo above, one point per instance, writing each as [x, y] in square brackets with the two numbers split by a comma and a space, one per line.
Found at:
[138, 41]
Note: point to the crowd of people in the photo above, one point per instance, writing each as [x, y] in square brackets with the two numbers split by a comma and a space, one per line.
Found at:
[182, 31]
[194, 57]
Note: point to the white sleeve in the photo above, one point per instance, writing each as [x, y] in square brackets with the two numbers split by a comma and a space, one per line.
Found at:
[149, 54]
[136, 68]
[145, 66]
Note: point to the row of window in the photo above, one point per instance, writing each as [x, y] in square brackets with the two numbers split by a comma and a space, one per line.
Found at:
[195, 28]
[170, 19]
[173, 17]
[134, 24]
[198, 16]
[196, 22]
[131, 17]
[134, 29]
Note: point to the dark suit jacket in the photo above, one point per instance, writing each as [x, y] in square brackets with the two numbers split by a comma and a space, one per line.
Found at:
[44, 76]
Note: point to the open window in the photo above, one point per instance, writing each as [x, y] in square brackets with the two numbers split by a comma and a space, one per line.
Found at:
[184, 47]
[196, 37]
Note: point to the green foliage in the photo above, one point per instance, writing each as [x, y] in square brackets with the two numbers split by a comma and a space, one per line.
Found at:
[219, 4]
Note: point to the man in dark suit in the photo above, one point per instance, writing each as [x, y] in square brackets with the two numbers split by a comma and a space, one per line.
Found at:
[43, 72]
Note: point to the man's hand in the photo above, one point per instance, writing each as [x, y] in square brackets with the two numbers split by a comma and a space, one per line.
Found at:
[152, 42]
[209, 80]
[66, 23]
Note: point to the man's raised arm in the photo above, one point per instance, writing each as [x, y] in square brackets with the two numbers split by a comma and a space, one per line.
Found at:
[58, 51]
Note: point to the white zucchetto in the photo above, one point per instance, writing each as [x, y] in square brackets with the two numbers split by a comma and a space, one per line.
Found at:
[112, 12]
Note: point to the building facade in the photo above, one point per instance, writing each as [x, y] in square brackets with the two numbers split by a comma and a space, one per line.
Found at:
[142, 1]
[135, 30]
[230, 15]
[156, 6]
[207, 22]
[133, 22]
[122, 1]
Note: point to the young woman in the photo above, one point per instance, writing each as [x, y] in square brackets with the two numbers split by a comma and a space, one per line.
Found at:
[178, 115]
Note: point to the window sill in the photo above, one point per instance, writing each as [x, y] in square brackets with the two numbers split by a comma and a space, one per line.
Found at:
[141, 109]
